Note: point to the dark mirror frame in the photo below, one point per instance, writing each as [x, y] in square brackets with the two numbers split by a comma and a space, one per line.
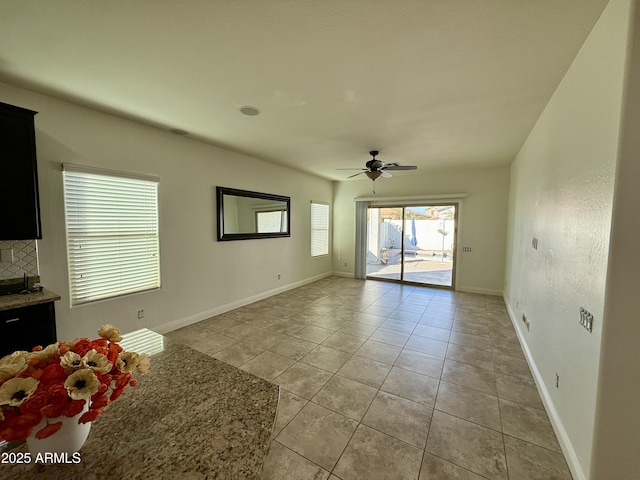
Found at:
[223, 237]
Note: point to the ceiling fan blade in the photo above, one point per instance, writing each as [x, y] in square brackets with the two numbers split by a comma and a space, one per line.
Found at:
[363, 169]
[400, 167]
[356, 174]
[385, 174]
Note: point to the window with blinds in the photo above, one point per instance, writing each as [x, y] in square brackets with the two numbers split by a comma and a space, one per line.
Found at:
[319, 229]
[112, 233]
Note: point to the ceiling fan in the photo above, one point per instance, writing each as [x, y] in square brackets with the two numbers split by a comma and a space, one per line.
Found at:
[376, 168]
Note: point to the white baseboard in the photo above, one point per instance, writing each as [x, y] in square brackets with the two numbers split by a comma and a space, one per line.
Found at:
[483, 291]
[558, 427]
[198, 317]
[343, 274]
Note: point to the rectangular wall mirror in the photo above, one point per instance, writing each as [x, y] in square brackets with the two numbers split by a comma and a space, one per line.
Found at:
[244, 215]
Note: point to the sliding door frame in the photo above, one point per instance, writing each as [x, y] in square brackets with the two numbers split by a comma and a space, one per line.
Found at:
[419, 203]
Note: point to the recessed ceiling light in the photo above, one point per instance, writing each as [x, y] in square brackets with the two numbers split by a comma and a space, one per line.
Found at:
[250, 111]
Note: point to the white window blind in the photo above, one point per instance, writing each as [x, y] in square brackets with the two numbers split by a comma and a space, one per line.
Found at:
[319, 229]
[272, 222]
[112, 233]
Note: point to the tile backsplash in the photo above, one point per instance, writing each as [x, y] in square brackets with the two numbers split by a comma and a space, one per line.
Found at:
[25, 259]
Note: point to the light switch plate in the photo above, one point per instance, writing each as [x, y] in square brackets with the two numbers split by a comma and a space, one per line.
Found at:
[586, 319]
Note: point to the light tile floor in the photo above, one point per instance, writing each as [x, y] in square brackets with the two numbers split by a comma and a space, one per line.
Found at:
[384, 381]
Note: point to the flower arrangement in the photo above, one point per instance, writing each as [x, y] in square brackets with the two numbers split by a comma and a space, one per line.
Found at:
[60, 379]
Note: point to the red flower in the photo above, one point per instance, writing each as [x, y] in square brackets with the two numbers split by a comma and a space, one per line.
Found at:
[82, 346]
[90, 416]
[32, 362]
[48, 430]
[116, 393]
[12, 435]
[57, 393]
[100, 403]
[10, 414]
[53, 411]
[114, 352]
[73, 408]
[53, 373]
[101, 391]
[123, 380]
[34, 402]
[26, 421]
[100, 345]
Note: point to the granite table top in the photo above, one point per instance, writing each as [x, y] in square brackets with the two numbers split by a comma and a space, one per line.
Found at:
[191, 417]
[19, 300]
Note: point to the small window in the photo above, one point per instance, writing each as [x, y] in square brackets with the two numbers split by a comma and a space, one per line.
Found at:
[271, 222]
[319, 229]
[112, 233]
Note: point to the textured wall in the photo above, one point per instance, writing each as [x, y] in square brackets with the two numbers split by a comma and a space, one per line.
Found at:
[562, 187]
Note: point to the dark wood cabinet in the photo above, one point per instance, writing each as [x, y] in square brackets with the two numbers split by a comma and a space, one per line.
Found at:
[19, 197]
[24, 328]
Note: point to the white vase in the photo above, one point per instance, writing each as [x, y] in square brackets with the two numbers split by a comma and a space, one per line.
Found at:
[69, 439]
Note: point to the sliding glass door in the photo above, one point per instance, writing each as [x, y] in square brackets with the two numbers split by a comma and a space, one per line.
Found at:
[412, 244]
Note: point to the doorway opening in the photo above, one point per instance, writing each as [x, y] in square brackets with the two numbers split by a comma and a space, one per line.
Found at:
[412, 244]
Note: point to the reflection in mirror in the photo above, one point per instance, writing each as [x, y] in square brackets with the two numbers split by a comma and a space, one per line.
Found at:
[243, 214]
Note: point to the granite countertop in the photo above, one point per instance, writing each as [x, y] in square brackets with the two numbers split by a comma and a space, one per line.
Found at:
[19, 300]
[192, 416]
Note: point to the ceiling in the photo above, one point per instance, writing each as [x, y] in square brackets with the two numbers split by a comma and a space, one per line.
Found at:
[433, 83]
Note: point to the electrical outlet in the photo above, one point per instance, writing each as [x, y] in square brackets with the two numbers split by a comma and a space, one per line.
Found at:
[345, 264]
[557, 381]
[525, 320]
[534, 243]
[140, 313]
[278, 276]
[466, 249]
[586, 319]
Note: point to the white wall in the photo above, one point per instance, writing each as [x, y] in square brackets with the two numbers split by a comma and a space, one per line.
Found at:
[562, 186]
[200, 276]
[482, 219]
[617, 429]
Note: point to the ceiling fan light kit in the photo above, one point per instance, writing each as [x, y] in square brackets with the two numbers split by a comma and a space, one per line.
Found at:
[375, 168]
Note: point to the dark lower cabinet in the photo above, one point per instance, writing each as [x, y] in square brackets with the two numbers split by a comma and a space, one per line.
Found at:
[24, 328]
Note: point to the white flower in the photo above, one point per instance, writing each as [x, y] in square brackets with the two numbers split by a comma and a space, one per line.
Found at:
[127, 361]
[45, 353]
[71, 360]
[96, 361]
[12, 357]
[13, 392]
[13, 364]
[81, 384]
[143, 363]
[109, 332]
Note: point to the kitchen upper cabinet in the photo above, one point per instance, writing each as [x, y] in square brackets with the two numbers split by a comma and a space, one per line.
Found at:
[19, 202]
